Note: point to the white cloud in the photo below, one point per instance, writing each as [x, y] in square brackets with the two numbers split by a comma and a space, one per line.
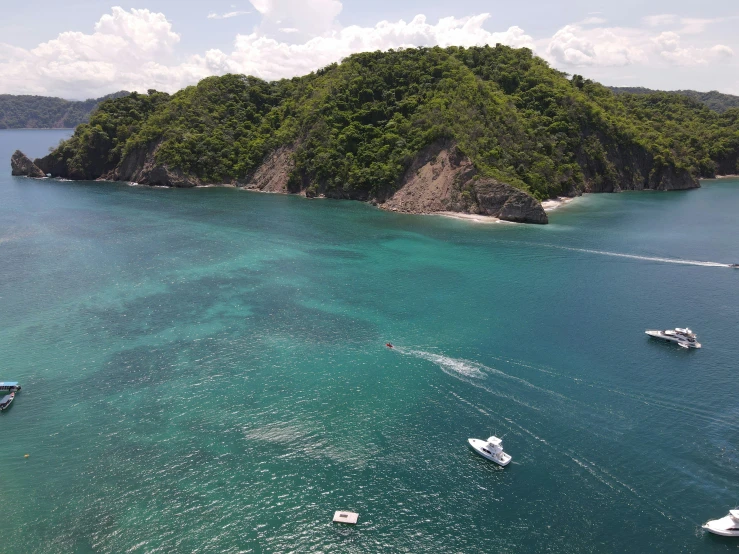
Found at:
[127, 48]
[574, 46]
[311, 17]
[270, 59]
[694, 26]
[577, 46]
[226, 15]
[137, 49]
[134, 50]
[669, 48]
[688, 25]
[660, 20]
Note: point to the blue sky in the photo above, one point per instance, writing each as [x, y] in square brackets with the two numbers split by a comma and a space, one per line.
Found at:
[88, 48]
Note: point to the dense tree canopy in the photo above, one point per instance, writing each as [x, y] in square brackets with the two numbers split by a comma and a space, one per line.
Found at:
[716, 101]
[43, 112]
[356, 126]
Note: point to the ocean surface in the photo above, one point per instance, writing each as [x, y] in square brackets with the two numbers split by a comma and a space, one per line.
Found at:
[205, 371]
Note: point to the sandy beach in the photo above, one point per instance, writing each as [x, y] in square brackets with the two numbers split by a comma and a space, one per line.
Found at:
[555, 203]
[477, 218]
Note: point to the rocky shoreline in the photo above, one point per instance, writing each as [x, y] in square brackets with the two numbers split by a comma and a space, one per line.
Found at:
[440, 180]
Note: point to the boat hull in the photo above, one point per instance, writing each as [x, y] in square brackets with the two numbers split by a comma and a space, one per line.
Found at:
[6, 401]
[481, 447]
[727, 526]
[722, 532]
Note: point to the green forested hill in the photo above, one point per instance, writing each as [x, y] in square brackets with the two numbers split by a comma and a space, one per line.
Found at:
[717, 101]
[354, 128]
[45, 112]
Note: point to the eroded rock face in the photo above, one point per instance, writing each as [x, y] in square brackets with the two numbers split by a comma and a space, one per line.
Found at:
[670, 178]
[442, 179]
[140, 166]
[274, 173]
[629, 167]
[508, 203]
[21, 165]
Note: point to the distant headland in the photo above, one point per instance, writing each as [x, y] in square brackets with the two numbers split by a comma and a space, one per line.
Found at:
[484, 130]
[47, 112]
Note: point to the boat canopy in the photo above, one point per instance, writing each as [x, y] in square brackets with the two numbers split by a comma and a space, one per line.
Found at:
[734, 514]
[495, 441]
[8, 385]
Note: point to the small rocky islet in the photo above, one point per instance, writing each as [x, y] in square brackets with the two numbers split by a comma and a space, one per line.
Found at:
[485, 130]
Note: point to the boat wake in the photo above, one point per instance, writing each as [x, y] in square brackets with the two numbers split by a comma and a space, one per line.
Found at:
[450, 366]
[637, 257]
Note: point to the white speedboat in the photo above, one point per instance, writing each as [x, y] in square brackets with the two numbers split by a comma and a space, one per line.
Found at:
[685, 338]
[727, 526]
[492, 449]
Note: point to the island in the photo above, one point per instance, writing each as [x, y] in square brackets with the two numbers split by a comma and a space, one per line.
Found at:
[483, 130]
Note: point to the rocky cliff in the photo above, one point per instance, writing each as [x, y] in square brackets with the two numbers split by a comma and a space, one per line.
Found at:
[610, 166]
[21, 165]
[442, 179]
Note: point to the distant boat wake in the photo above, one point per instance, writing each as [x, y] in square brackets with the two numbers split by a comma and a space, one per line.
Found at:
[635, 257]
[467, 369]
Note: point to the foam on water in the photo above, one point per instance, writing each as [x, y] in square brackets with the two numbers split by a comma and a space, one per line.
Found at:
[450, 366]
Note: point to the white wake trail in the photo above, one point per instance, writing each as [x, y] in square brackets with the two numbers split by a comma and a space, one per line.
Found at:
[636, 257]
[449, 365]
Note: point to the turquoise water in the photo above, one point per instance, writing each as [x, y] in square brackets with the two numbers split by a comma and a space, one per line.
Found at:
[205, 371]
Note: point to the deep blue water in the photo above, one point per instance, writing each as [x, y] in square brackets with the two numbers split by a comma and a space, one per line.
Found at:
[205, 371]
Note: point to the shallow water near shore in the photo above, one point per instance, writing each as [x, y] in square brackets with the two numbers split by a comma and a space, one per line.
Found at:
[205, 370]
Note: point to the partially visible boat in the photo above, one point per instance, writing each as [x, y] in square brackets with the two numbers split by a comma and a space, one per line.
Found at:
[684, 337]
[492, 449]
[9, 386]
[735, 266]
[5, 401]
[727, 526]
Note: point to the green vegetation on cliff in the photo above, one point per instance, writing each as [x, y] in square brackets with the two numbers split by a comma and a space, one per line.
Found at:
[717, 101]
[354, 128]
[45, 112]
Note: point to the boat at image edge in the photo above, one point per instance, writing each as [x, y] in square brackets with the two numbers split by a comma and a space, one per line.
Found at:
[727, 526]
[9, 386]
[5, 401]
[492, 449]
[683, 337]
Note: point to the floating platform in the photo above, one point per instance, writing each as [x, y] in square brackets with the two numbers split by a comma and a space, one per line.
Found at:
[346, 517]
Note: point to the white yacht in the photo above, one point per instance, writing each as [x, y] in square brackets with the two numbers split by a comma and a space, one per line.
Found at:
[683, 337]
[727, 526]
[492, 449]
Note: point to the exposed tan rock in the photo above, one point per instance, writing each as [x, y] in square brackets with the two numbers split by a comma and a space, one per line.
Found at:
[442, 179]
[274, 172]
[432, 182]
